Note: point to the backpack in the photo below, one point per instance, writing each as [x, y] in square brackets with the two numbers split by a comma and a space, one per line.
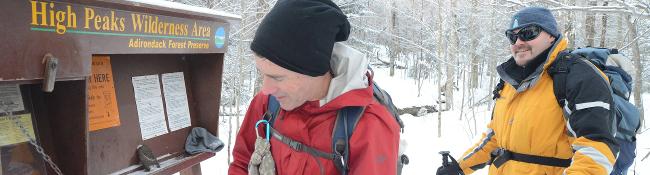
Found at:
[616, 67]
[346, 120]
[627, 115]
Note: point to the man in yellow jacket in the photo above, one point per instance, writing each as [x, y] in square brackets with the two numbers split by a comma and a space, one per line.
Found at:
[530, 133]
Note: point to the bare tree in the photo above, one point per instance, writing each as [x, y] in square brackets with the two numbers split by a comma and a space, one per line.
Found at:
[603, 32]
[590, 24]
[473, 81]
[452, 56]
[394, 50]
[440, 54]
[636, 57]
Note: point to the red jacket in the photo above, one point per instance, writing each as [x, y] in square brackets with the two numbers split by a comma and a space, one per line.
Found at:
[373, 146]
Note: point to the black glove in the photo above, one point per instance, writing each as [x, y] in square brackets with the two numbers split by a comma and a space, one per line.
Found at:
[449, 168]
[442, 170]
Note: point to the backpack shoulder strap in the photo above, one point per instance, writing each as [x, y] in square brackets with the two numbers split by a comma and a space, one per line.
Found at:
[558, 71]
[346, 121]
[272, 109]
[384, 98]
[300, 147]
[497, 90]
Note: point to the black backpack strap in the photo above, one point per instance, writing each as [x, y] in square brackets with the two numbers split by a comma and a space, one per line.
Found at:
[504, 155]
[300, 147]
[558, 71]
[346, 120]
[297, 146]
[272, 109]
[384, 98]
[497, 90]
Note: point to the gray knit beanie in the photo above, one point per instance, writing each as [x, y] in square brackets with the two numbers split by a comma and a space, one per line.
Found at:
[539, 16]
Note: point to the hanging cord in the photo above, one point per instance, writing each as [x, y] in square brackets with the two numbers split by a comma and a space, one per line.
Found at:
[268, 139]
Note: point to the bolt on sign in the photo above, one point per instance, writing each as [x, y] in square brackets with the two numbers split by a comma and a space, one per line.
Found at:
[102, 102]
[129, 30]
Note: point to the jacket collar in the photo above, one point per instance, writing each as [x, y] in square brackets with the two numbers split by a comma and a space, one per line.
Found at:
[349, 67]
[350, 85]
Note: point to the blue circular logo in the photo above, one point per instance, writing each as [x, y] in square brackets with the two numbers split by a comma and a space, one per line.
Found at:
[220, 37]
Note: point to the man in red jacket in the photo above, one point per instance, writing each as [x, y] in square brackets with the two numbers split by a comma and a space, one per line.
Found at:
[312, 75]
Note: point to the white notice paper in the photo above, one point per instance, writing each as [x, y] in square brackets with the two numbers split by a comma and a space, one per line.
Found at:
[178, 112]
[148, 101]
[10, 98]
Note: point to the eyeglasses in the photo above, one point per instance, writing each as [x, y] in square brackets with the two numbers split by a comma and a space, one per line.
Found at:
[525, 34]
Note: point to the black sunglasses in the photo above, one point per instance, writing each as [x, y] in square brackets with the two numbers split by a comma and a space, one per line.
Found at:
[525, 34]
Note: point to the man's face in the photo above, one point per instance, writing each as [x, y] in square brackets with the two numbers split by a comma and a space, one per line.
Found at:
[523, 51]
[291, 89]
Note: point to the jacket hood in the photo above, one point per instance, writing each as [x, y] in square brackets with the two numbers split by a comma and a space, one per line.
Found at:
[350, 85]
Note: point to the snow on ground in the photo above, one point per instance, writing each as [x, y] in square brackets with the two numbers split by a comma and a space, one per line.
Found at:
[643, 143]
[421, 132]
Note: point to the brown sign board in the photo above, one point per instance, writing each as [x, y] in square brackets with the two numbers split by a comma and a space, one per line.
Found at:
[89, 123]
[72, 32]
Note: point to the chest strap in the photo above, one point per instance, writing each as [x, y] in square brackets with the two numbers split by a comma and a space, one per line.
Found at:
[297, 146]
[501, 156]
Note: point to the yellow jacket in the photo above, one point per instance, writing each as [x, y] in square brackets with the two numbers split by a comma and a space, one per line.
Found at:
[529, 120]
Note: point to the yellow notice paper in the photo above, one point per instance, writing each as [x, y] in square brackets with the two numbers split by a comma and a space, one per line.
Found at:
[10, 132]
[102, 102]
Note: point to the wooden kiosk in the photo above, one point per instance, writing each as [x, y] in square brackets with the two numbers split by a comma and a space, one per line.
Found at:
[89, 81]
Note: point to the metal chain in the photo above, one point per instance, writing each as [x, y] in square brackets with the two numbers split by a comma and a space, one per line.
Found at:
[32, 141]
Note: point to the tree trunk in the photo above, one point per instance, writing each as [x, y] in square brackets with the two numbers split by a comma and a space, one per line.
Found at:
[462, 98]
[418, 73]
[262, 6]
[570, 26]
[258, 83]
[451, 68]
[636, 57]
[419, 67]
[439, 101]
[440, 53]
[394, 51]
[439, 120]
[603, 33]
[229, 138]
[590, 21]
[620, 36]
[492, 62]
[474, 71]
[239, 88]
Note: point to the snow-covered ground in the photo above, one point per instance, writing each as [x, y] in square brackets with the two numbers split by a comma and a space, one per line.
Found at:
[421, 132]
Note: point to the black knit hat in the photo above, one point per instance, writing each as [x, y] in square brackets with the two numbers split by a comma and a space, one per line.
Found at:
[299, 35]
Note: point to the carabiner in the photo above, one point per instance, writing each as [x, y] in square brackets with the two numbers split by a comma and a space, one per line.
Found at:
[268, 129]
